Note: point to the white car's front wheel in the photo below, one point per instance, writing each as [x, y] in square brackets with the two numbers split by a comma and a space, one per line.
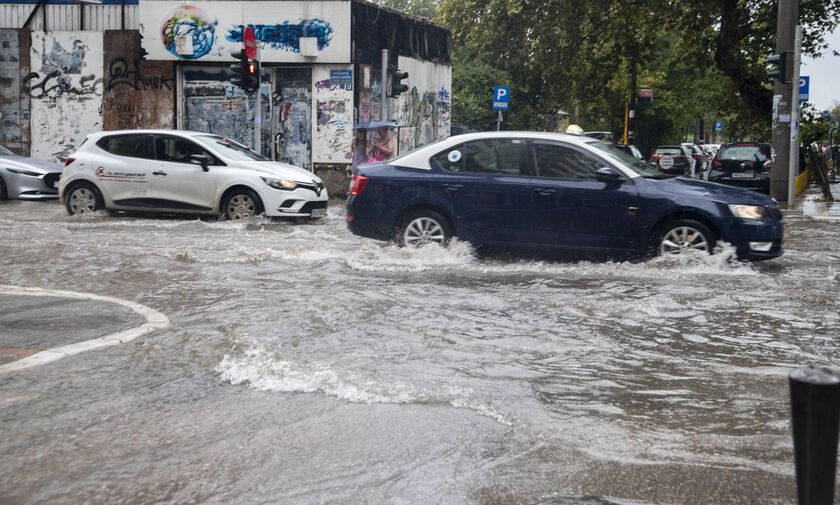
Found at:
[241, 204]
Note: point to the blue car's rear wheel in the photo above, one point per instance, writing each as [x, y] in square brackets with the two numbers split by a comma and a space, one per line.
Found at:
[423, 227]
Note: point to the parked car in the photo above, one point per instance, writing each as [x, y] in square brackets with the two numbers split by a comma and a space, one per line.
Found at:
[27, 178]
[459, 129]
[631, 150]
[701, 163]
[190, 172]
[743, 164]
[600, 135]
[553, 191]
[674, 160]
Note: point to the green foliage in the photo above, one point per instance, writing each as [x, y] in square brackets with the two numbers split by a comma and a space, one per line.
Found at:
[421, 8]
[704, 59]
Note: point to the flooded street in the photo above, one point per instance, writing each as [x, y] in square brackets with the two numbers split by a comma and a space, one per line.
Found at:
[305, 365]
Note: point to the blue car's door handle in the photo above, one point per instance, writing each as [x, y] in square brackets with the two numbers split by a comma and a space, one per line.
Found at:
[452, 187]
[544, 191]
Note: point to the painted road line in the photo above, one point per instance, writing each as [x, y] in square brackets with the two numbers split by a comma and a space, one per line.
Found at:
[154, 320]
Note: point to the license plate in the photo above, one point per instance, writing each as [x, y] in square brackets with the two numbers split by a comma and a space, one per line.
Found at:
[319, 212]
[742, 175]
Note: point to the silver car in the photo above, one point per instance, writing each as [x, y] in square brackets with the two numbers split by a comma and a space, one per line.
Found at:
[26, 178]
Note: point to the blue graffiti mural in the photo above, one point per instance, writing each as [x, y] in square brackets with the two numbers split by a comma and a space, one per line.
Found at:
[192, 22]
[286, 36]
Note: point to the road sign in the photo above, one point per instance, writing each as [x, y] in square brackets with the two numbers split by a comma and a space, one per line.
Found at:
[804, 81]
[341, 77]
[250, 41]
[718, 126]
[501, 97]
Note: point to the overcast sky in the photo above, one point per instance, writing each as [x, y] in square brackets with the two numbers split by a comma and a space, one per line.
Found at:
[824, 90]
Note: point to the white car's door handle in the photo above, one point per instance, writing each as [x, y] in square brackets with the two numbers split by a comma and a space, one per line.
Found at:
[161, 172]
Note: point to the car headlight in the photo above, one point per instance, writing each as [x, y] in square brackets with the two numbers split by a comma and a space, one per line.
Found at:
[23, 172]
[279, 183]
[748, 211]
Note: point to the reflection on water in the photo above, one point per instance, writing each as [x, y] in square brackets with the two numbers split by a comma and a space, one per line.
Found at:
[542, 378]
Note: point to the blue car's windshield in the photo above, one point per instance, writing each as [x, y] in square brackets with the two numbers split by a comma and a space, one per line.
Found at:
[628, 160]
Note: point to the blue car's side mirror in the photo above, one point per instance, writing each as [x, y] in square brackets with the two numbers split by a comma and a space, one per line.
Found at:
[609, 175]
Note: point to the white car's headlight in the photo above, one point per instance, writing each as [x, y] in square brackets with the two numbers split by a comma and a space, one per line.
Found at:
[279, 183]
[748, 211]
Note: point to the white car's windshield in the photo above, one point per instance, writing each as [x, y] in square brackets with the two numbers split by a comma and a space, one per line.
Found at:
[5, 152]
[230, 148]
[629, 160]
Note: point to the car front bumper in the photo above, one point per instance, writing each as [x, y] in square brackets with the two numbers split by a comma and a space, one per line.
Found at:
[757, 239]
[300, 202]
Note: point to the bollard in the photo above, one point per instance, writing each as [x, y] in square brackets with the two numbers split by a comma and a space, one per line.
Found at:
[815, 413]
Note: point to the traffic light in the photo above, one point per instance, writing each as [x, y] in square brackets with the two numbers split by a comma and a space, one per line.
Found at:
[778, 66]
[397, 87]
[246, 74]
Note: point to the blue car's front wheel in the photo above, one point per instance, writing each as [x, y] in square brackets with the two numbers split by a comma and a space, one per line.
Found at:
[682, 235]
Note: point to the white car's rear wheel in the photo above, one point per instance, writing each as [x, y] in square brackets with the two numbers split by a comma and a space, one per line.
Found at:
[83, 198]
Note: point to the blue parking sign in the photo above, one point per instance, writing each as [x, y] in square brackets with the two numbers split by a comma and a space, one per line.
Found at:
[804, 82]
[501, 97]
[718, 126]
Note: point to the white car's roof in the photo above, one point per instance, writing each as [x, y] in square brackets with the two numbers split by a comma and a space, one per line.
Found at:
[148, 131]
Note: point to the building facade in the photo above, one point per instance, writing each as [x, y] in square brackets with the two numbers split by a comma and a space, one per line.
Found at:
[68, 69]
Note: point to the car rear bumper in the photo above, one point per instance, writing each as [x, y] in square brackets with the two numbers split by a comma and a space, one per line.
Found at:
[760, 183]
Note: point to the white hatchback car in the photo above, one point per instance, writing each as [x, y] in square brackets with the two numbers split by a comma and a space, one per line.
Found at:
[180, 171]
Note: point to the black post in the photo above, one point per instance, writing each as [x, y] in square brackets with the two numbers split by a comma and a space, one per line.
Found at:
[815, 412]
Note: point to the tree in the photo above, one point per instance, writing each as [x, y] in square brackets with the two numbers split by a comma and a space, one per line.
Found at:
[421, 8]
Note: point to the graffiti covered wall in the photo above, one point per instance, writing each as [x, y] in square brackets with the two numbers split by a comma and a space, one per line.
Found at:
[138, 94]
[425, 110]
[14, 103]
[65, 86]
[212, 30]
[332, 117]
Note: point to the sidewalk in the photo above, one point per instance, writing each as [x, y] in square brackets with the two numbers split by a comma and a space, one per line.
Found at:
[810, 202]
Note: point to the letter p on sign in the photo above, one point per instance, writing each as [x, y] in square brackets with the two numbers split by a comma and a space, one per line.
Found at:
[501, 97]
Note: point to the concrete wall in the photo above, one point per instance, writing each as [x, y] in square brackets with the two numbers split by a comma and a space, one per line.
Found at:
[65, 85]
[425, 110]
[14, 101]
[138, 94]
[214, 29]
[332, 117]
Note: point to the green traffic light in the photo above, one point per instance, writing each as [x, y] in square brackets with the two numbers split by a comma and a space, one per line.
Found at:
[778, 67]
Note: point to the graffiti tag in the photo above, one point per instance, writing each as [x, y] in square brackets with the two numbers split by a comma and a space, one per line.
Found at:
[56, 84]
[121, 75]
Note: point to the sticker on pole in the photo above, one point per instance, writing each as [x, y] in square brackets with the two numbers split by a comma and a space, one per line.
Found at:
[501, 97]
[666, 163]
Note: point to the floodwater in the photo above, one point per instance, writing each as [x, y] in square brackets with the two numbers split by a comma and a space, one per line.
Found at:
[305, 365]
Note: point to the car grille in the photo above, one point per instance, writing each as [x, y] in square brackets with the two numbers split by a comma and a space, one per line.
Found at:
[315, 187]
[50, 180]
[310, 206]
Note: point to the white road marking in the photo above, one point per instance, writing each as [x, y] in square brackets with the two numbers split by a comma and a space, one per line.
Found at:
[154, 319]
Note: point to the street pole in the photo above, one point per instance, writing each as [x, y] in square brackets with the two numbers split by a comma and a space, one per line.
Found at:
[385, 107]
[782, 106]
[499, 122]
[794, 119]
[258, 106]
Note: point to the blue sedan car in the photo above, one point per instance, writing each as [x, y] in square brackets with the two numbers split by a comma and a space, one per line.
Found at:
[554, 191]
